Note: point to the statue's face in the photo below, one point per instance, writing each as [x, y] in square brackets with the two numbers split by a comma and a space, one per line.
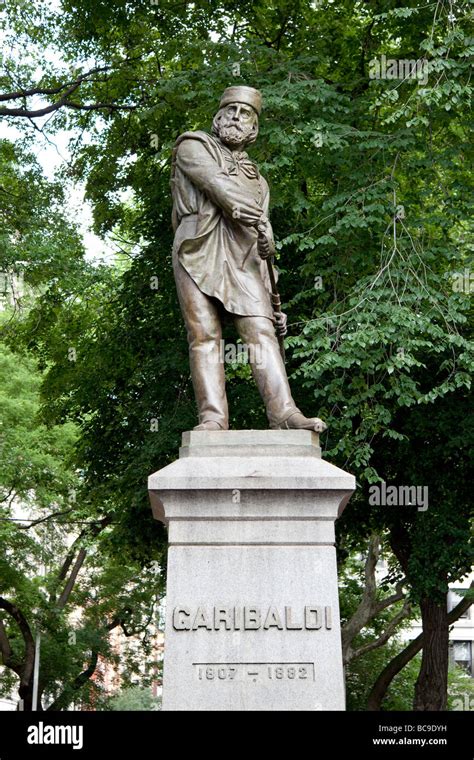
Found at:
[236, 124]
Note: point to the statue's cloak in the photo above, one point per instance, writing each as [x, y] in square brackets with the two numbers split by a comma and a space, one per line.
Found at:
[215, 243]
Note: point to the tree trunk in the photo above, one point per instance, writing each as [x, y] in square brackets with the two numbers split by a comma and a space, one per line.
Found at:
[431, 689]
[26, 694]
[385, 678]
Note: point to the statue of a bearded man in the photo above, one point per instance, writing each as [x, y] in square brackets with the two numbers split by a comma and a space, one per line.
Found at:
[222, 238]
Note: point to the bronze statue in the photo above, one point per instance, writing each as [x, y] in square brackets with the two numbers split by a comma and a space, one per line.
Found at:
[222, 262]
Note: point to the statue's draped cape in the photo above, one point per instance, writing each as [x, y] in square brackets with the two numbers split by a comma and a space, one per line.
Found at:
[218, 249]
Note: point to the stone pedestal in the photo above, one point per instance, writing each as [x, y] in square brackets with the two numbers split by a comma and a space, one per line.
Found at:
[252, 619]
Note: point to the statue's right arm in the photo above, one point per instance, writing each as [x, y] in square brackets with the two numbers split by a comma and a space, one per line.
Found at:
[224, 190]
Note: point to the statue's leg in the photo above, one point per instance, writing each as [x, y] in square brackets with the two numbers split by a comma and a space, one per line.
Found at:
[269, 372]
[268, 369]
[204, 330]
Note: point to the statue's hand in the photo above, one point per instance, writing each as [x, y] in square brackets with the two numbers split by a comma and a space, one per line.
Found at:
[281, 324]
[264, 248]
[266, 243]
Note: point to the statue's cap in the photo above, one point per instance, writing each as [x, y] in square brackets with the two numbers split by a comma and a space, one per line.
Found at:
[242, 94]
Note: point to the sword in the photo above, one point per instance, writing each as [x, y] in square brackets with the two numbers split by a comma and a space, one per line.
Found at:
[276, 300]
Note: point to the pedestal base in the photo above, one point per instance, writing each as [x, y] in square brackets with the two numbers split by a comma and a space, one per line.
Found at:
[252, 618]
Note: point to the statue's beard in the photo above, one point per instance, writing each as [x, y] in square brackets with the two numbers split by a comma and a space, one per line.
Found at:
[235, 134]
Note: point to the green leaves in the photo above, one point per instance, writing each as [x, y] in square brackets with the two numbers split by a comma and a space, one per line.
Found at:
[371, 202]
[34, 458]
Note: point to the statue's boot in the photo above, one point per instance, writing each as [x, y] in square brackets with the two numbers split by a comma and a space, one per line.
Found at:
[298, 421]
[209, 425]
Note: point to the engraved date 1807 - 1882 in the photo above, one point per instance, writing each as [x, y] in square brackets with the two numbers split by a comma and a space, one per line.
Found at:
[254, 671]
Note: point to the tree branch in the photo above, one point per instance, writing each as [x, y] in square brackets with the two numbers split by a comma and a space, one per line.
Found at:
[65, 697]
[44, 519]
[5, 647]
[369, 607]
[363, 612]
[63, 101]
[12, 489]
[41, 111]
[395, 597]
[135, 631]
[32, 91]
[62, 601]
[90, 531]
[66, 565]
[22, 93]
[24, 670]
[379, 689]
[386, 635]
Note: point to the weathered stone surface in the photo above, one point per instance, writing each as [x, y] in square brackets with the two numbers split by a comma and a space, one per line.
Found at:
[252, 618]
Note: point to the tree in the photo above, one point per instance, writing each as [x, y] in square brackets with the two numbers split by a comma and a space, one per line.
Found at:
[385, 677]
[360, 673]
[371, 206]
[369, 606]
[135, 698]
[43, 583]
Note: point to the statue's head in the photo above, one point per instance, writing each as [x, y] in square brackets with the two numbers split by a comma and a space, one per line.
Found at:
[236, 122]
